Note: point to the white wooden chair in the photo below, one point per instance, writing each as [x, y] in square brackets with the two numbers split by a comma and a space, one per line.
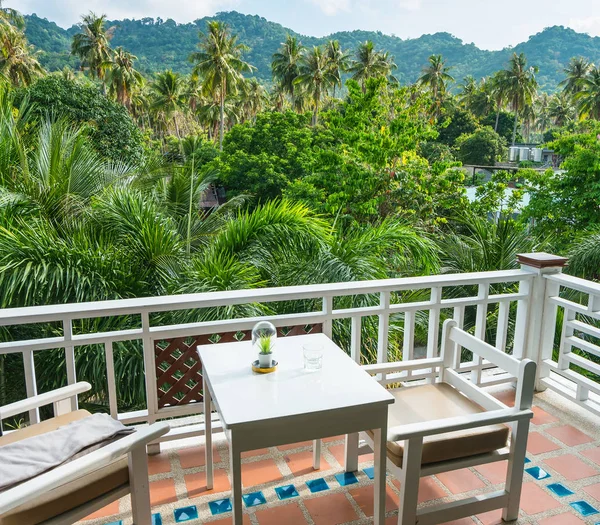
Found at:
[450, 423]
[74, 490]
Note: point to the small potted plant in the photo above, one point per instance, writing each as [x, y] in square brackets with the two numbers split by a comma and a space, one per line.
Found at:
[264, 336]
[265, 351]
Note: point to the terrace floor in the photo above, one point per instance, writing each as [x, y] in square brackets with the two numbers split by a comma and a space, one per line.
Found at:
[561, 485]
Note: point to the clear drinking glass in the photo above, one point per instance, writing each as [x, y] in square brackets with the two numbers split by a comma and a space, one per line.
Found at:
[313, 356]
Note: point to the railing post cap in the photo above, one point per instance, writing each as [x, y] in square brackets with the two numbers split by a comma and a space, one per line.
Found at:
[542, 260]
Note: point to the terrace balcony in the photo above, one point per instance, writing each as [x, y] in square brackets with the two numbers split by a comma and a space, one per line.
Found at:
[536, 312]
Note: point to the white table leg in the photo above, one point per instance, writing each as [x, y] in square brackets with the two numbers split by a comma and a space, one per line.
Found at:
[351, 452]
[316, 454]
[235, 464]
[380, 446]
[208, 436]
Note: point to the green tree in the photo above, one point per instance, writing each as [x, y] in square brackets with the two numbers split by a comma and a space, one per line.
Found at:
[316, 77]
[123, 77]
[286, 65]
[370, 63]
[519, 86]
[339, 61]
[18, 60]
[168, 99]
[588, 97]
[483, 147]
[468, 91]
[436, 77]
[252, 98]
[219, 63]
[561, 110]
[112, 132]
[577, 70]
[92, 45]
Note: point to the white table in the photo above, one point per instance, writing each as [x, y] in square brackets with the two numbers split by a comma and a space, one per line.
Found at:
[291, 405]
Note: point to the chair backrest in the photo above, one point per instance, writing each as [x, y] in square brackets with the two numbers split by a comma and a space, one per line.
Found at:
[523, 370]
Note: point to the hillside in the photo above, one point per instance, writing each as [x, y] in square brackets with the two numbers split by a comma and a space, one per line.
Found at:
[161, 44]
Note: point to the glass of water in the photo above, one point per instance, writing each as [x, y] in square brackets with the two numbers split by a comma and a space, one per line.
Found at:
[313, 356]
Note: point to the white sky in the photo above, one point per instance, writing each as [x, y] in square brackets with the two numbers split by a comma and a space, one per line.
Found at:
[490, 25]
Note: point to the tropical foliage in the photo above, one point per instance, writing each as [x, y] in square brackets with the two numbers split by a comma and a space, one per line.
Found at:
[335, 169]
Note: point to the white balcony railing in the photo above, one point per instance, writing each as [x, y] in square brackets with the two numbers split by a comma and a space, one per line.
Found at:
[572, 339]
[509, 307]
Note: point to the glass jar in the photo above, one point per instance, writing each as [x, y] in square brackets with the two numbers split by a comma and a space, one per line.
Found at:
[264, 337]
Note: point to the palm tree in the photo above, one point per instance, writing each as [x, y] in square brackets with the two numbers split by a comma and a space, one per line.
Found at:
[92, 45]
[561, 110]
[436, 77]
[339, 61]
[285, 66]
[252, 98]
[168, 100]
[123, 77]
[219, 63]
[316, 77]
[18, 59]
[497, 91]
[468, 91]
[483, 101]
[370, 63]
[575, 72]
[519, 85]
[588, 98]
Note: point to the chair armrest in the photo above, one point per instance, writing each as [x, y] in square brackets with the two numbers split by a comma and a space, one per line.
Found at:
[32, 489]
[43, 399]
[399, 366]
[452, 424]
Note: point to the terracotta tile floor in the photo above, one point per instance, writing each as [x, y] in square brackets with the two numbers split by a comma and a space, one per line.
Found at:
[564, 442]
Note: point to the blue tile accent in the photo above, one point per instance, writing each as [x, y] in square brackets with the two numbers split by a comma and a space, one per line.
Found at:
[537, 472]
[317, 485]
[527, 460]
[289, 491]
[220, 506]
[560, 490]
[584, 508]
[254, 498]
[157, 519]
[370, 472]
[346, 478]
[115, 523]
[185, 514]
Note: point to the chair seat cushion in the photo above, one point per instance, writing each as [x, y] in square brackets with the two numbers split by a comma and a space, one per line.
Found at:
[70, 495]
[440, 401]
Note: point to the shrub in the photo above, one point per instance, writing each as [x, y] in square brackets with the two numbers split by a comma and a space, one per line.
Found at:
[113, 134]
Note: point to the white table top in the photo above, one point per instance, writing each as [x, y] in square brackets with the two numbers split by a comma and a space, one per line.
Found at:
[244, 396]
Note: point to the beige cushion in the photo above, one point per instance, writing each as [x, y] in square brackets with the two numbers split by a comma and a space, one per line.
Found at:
[439, 401]
[71, 495]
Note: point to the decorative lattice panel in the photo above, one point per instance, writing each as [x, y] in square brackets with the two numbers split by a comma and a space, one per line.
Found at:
[179, 372]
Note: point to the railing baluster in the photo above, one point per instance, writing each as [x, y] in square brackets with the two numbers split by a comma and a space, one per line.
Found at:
[355, 338]
[408, 340]
[433, 331]
[110, 375]
[502, 325]
[480, 326]
[150, 368]
[383, 331]
[70, 358]
[565, 346]
[327, 322]
[30, 383]
[459, 317]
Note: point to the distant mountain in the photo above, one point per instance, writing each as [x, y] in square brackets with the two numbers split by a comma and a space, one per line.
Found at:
[161, 44]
